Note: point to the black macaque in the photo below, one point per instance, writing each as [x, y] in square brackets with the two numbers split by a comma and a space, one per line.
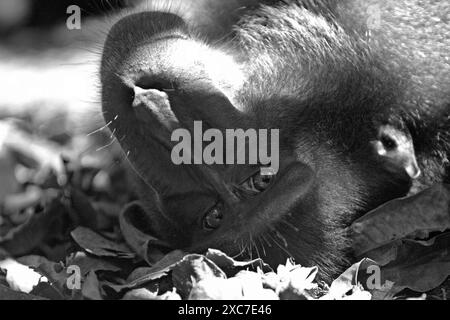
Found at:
[360, 91]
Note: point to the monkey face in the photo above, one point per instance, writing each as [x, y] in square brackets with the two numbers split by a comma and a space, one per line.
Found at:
[162, 83]
[396, 151]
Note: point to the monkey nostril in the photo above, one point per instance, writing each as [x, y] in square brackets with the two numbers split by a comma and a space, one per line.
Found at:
[147, 81]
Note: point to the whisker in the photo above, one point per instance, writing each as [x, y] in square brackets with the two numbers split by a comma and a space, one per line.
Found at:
[246, 247]
[107, 146]
[262, 246]
[113, 133]
[100, 129]
[251, 247]
[266, 241]
[280, 246]
[287, 223]
[280, 236]
[257, 251]
[241, 249]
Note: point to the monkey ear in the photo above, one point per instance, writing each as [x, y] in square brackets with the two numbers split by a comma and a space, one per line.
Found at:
[203, 101]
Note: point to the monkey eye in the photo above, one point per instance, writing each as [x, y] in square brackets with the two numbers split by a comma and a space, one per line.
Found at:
[213, 218]
[258, 183]
[388, 143]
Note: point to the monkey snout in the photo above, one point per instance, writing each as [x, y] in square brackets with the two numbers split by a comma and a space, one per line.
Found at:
[413, 169]
[152, 105]
[136, 48]
[136, 58]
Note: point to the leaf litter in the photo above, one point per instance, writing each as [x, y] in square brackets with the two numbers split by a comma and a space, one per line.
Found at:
[68, 230]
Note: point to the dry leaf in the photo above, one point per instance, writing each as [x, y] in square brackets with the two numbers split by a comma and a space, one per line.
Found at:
[231, 267]
[20, 277]
[23, 239]
[158, 271]
[95, 244]
[132, 220]
[90, 263]
[91, 287]
[420, 266]
[9, 294]
[193, 269]
[344, 286]
[426, 212]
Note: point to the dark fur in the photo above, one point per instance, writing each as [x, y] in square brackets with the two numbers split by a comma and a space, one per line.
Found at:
[316, 71]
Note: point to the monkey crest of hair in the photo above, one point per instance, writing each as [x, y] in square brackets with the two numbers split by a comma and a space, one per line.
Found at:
[360, 91]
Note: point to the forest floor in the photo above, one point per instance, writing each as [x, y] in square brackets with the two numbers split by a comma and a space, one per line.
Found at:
[68, 231]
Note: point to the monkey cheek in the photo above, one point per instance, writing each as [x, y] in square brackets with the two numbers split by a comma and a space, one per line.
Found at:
[152, 107]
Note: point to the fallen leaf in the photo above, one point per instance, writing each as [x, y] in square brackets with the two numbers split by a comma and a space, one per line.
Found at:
[140, 294]
[214, 288]
[57, 275]
[192, 269]
[48, 291]
[298, 284]
[32, 261]
[421, 298]
[10, 294]
[90, 263]
[423, 213]
[20, 277]
[171, 295]
[349, 281]
[132, 220]
[23, 239]
[252, 286]
[139, 273]
[95, 244]
[158, 271]
[231, 266]
[420, 266]
[91, 287]
[358, 293]
[144, 294]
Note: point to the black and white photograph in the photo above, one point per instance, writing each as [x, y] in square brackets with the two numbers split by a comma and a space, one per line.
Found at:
[245, 151]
